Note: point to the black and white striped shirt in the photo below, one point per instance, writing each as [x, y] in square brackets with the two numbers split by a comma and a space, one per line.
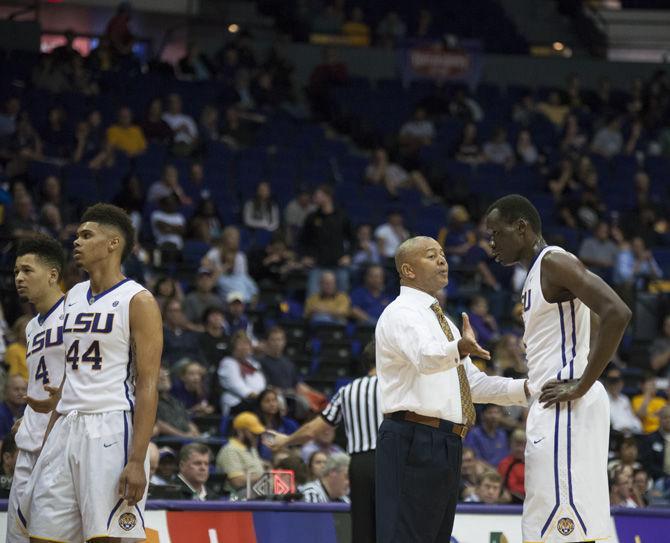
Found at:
[358, 403]
[315, 492]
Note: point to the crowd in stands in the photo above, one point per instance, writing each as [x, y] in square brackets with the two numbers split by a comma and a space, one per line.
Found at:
[267, 303]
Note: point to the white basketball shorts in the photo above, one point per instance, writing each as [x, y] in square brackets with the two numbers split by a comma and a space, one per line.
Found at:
[72, 495]
[25, 462]
[567, 497]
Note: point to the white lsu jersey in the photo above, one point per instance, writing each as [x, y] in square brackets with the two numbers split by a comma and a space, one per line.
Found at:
[567, 497]
[556, 334]
[46, 363]
[99, 369]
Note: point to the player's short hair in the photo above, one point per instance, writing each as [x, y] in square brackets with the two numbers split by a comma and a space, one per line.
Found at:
[46, 249]
[514, 207]
[187, 450]
[111, 215]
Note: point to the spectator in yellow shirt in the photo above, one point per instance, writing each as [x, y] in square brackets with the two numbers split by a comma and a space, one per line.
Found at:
[328, 305]
[554, 110]
[15, 356]
[356, 27]
[125, 136]
[647, 405]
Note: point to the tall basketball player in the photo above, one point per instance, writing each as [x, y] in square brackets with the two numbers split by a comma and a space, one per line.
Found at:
[90, 480]
[37, 270]
[567, 499]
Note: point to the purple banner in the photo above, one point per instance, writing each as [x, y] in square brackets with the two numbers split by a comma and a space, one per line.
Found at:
[642, 525]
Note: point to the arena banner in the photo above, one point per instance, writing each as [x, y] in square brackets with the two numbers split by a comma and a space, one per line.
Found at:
[273, 522]
[247, 522]
[440, 61]
[479, 523]
[642, 525]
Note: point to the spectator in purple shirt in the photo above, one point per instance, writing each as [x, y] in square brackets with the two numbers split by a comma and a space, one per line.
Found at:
[483, 323]
[191, 389]
[369, 300]
[488, 439]
[268, 409]
[14, 404]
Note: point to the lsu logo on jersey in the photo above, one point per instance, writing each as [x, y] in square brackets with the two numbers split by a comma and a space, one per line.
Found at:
[46, 339]
[525, 300]
[89, 323]
[127, 521]
[565, 526]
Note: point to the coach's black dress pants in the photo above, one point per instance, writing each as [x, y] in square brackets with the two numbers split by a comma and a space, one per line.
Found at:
[418, 470]
[362, 478]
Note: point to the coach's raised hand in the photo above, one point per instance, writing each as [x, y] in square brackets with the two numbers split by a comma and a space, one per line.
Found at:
[468, 345]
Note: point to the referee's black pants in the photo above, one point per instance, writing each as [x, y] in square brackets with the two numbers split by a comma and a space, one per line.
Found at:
[418, 470]
[362, 480]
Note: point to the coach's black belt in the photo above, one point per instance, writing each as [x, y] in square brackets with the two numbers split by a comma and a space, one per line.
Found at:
[447, 426]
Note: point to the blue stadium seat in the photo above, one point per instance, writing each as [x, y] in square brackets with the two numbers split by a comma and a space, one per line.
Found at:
[194, 250]
[662, 256]
[81, 184]
[39, 171]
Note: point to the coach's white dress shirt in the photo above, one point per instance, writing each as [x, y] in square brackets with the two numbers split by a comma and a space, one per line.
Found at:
[416, 364]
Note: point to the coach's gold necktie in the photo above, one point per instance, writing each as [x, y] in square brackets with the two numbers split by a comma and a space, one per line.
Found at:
[467, 406]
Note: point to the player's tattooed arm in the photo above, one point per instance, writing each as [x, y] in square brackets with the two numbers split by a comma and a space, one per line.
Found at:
[146, 332]
[564, 278]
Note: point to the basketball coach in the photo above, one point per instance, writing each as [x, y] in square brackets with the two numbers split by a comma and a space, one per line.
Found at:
[428, 385]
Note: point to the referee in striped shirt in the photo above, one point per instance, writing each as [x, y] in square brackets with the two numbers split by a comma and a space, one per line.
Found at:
[358, 405]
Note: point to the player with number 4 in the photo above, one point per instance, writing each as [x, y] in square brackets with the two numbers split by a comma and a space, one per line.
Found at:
[90, 480]
[37, 271]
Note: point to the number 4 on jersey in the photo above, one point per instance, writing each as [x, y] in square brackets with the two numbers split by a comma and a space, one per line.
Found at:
[42, 372]
[92, 355]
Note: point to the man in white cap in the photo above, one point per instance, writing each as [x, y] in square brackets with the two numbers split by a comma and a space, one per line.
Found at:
[236, 319]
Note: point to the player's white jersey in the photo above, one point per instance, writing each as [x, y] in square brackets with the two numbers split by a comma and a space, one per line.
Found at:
[100, 372]
[567, 497]
[556, 334]
[46, 362]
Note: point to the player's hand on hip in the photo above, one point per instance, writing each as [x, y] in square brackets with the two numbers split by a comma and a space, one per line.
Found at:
[468, 345]
[132, 483]
[556, 391]
[47, 405]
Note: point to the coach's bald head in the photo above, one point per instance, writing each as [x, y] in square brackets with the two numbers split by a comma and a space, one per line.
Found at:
[421, 264]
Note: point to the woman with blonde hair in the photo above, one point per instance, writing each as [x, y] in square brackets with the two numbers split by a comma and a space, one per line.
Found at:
[226, 255]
